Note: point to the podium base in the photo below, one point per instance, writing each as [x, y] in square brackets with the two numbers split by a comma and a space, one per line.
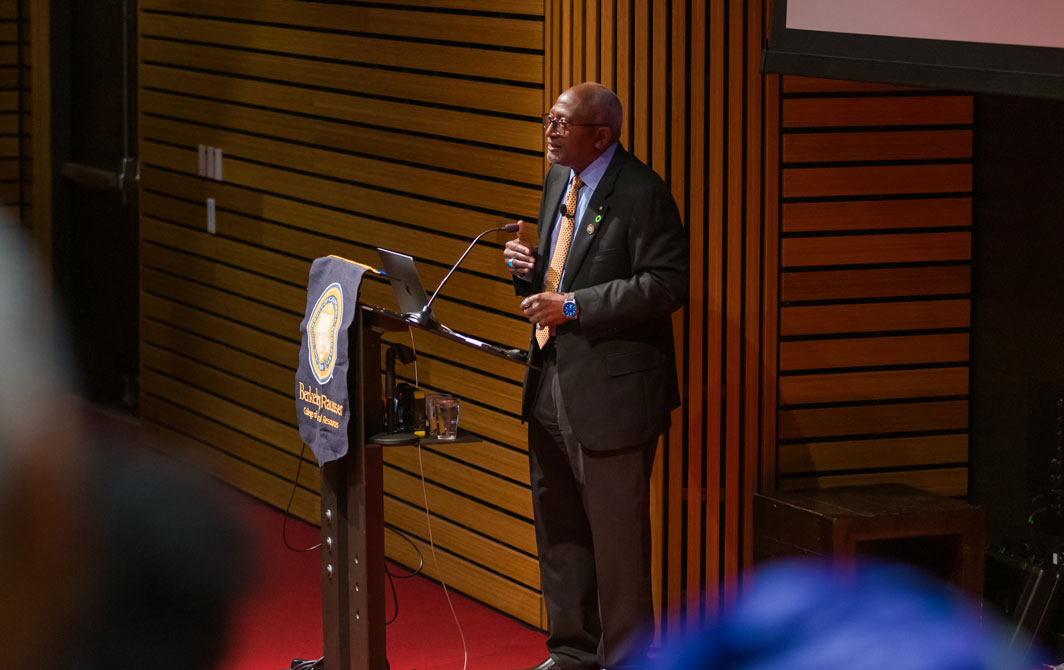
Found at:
[393, 439]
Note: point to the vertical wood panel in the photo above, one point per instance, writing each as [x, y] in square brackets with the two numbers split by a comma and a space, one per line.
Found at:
[696, 444]
[687, 75]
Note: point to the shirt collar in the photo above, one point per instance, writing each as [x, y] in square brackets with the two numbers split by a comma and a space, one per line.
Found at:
[592, 174]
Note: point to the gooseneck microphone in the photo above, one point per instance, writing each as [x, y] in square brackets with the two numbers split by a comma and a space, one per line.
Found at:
[424, 317]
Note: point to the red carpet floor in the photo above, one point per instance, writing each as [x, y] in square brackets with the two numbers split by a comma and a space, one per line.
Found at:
[280, 617]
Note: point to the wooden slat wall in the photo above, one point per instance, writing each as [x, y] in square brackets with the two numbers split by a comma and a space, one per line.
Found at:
[875, 286]
[344, 126]
[825, 341]
[700, 113]
[15, 136]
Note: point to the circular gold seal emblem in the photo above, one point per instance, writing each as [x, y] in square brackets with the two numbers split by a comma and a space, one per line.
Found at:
[323, 330]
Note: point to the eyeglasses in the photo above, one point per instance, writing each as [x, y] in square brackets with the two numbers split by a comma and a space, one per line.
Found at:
[562, 125]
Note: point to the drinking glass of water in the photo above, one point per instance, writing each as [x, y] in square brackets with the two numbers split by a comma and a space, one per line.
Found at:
[446, 417]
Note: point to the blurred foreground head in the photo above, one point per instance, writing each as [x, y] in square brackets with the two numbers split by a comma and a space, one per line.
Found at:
[110, 556]
[800, 615]
[44, 521]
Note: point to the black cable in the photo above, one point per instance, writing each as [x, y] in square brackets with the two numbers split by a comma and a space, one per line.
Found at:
[392, 576]
[395, 598]
[420, 557]
[309, 665]
[288, 507]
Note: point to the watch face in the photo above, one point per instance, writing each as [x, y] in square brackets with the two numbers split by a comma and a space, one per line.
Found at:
[569, 309]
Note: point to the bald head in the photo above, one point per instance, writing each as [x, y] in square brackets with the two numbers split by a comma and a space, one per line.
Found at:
[598, 104]
[589, 116]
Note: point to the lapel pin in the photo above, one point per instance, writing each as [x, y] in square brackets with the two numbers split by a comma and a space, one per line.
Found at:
[598, 217]
[591, 228]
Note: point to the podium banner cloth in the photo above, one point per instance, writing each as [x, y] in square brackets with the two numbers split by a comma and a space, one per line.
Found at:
[323, 405]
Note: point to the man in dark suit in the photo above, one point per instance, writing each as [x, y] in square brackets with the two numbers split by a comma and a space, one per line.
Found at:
[610, 268]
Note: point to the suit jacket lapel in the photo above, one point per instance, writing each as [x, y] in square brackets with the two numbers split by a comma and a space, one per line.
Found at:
[593, 220]
[555, 183]
[552, 199]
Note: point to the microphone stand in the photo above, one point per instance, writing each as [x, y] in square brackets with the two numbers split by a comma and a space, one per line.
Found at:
[425, 317]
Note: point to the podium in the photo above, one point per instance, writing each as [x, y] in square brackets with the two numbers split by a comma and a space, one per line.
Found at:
[352, 504]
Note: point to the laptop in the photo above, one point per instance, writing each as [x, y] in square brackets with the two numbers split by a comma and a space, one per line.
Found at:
[400, 270]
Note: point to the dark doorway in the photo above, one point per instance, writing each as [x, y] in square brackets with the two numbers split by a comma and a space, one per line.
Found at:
[1018, 322]
[95, 204]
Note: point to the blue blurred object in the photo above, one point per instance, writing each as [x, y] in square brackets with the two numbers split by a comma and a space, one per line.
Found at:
[802, 615]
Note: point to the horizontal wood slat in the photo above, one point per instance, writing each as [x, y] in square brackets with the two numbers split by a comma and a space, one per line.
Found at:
[876, 283]
[479, 323]
[873, 351]
[294, 97]
[368, 201]
[252, 340]
[303, 230]
[498, 394]
[231, 360]
[872, 214]
[870, 146]
[860, 249]
[458, 539]
[426, 89]
[214, 435]
[277, 322]
[525, 7]
[865, 386]
[339, 136]
[497, 30]
[521, 603]
[254, 424]
[944, 481]
[368, 172]
[873, 419]
[244, 475]
[496, 523]
[875, 317]
[254, 402]
[880, 180]
[470, 482]
[893, 452]
[878, 111]
[500, 65]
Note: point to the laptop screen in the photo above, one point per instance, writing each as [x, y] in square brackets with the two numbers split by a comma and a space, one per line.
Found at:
[406, 283]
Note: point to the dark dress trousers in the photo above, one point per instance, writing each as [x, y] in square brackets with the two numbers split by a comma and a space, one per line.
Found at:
[597, 399]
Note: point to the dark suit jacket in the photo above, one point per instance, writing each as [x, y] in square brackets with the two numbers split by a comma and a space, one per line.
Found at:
[616, 362]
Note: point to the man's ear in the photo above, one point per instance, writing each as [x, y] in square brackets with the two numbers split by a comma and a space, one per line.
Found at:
[603, 136]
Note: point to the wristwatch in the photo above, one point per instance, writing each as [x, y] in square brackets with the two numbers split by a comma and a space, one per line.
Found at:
[569, 306]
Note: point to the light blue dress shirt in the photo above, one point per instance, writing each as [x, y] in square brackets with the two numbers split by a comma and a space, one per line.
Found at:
[591, 176]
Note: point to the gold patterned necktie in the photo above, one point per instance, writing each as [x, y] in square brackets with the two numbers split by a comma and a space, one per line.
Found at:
[561, 251]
